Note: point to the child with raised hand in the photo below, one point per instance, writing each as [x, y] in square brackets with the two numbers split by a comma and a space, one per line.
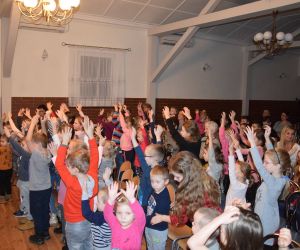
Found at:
[270, 170]
[39, 182]
[79, 166]
[239, 175]
[189, 137]
[213, 155]
[125, 217]
[202, 217]
[154, 155]
[101, 232]
[108, 156]
[158, 202]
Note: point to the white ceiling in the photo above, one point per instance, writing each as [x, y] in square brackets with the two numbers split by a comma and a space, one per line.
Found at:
[158, 12]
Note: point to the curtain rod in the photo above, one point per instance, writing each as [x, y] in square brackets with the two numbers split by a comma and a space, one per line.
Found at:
[90, 46]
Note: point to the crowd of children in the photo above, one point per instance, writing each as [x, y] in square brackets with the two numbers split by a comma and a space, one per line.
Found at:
[227, 179]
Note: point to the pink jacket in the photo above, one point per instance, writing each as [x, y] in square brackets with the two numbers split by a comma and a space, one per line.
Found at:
[125, 140]
[131, 237]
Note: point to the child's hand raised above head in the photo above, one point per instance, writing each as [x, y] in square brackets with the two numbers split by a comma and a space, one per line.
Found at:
[223, 119]
[66, 135]
[232, 115]
[21, 112]
[284, 239]
[250, 135]
[27, 113]
[49, 106]
[35, 119]
[230, 214]
[113, 193]
[130, 191]
[187, 113]
[88, 127]
[158, 131]
[267, 131]
[166, 112]
[101, 112]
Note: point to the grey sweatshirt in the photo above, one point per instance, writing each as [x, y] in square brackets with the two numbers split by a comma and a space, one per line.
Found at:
[39, 175]
[266, 201]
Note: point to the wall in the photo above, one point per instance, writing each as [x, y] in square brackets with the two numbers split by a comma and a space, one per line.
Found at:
[185, 77]
[33, 77]
[265, 82]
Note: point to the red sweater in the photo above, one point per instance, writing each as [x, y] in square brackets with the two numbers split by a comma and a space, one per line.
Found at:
[72, 202]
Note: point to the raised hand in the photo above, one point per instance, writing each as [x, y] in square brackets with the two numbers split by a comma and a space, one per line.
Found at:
[116, 107]
[158, 131]
[166, 112]
[232, 115]
[35, 119]
[66, 135]
[52, 147]
[113, 193]
[49, 106]
[27, 113]
[130, 191]
[88, 127]
[9, 115]
[187, 113]
[64, 108]
[230, 214]
[240, 203]
[267, 131]
[101, 112]
[250, 135]
[79, 109]
[150, 115]
[285, 238]
[21, 112]
[223, 119]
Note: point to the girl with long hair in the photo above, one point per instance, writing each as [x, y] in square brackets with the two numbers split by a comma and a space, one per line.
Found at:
[195, 189]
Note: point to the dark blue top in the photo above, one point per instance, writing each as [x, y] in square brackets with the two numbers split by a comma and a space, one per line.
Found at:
[23, 170]
[158, 203]
[145, 183]
[95, 217]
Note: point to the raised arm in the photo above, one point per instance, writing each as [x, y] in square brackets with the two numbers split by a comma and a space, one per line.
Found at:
[266, 176]
[198, 240]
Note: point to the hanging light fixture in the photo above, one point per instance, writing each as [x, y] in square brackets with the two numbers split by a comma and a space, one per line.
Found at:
[272, 41]
[59, 12]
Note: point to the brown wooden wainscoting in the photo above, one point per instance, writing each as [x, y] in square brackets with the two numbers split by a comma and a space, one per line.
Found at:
[32, 102]
[256, 108]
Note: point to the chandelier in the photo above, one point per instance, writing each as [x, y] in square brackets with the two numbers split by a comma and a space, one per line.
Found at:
[273, 42]
[59, 12]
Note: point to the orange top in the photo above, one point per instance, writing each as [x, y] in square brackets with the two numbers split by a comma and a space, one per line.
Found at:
[5, 157]
[72, 202]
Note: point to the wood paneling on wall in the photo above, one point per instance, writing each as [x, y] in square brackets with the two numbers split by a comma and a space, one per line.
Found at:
[92, 112]
[256, 108]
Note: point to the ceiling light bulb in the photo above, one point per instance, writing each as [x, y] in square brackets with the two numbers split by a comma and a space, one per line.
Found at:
[280, 36]
[75, 3]
[267, 35]
[50, 6]
[288, 37]
[65, 4]
[259, 37]
[30, 3]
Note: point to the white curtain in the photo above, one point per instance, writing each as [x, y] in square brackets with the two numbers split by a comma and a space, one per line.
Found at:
[96, 77]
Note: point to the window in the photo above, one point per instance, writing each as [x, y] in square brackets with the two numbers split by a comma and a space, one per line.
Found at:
[97, 77]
